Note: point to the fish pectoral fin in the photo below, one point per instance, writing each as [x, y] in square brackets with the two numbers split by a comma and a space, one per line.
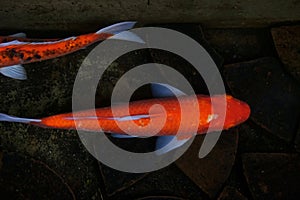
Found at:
[123, 136]
[14, 71]
[19, 35]
[165, 90]
[164, 144]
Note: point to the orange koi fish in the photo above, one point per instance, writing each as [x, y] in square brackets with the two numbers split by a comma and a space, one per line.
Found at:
[236, 113]
[14, 53]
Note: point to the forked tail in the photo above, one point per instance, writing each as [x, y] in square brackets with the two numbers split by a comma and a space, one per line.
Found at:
[9, 118]
[120, 32]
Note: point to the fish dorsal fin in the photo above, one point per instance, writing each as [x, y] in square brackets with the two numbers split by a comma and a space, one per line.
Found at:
[14, 71]
[164, 144]
[19, 35]
[165, 90]
[14, 42]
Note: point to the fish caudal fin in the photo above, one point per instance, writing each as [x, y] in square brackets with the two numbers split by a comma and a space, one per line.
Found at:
[14, 71]
[120, 32]
[117, 28]
[127, 36]
[9, 118]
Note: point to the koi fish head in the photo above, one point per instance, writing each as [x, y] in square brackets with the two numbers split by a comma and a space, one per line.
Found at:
[236, 113]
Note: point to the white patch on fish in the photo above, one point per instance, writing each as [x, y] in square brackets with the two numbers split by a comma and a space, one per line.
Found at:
[211, 117]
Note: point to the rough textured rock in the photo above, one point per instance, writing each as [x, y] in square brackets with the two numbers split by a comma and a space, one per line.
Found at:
[272, 176]
[272, 95]
[287, 43]
[89, 15]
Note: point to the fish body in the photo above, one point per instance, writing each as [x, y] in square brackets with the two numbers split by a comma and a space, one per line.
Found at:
[140, 117]
[177, 119]
[16, 52]
[23, 52]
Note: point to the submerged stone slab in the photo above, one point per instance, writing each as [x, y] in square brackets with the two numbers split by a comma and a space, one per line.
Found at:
[181, 64]
[287, 43]
[272, 175]
[253, 138]
[168, 183]
[210, 172]
[116, 181]
[231, 193]
[297, 140]
[238, 45]
[121, 180]
[273, 95]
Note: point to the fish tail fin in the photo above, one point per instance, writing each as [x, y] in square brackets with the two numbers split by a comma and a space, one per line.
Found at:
[117, 28]
[9, 118]
[119, 32]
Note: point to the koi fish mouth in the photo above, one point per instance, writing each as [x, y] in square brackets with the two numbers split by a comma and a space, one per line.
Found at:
[237, 112]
